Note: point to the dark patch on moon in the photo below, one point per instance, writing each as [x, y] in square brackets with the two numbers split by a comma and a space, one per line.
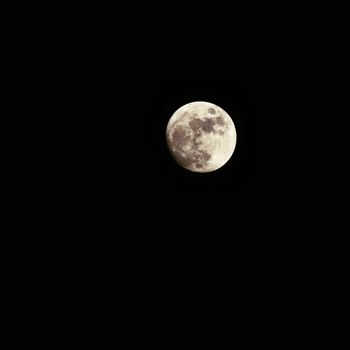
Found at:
[208, 125]
[185, 161]
[205, 155]
[221, 132]
[220, 120]
[195, 123]
[196, 143]
[179, 137]
[211, 110]
[190, 157]
[193, 157]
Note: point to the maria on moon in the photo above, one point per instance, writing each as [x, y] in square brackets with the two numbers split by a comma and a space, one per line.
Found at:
[201, 136]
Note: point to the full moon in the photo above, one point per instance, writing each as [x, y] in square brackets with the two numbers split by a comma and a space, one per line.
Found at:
[201, 136]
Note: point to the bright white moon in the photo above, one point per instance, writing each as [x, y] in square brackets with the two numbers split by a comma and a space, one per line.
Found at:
[201, 136]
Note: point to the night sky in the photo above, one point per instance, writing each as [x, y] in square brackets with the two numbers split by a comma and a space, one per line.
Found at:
[93, 191]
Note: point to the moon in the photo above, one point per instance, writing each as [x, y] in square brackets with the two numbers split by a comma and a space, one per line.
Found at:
[201, 136]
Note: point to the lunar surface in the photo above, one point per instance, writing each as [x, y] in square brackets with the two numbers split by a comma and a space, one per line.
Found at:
[201, 136]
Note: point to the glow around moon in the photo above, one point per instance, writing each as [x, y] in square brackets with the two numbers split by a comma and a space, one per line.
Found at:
[201, 136]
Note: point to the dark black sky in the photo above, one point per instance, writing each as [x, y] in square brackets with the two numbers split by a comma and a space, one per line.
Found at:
[90, 177]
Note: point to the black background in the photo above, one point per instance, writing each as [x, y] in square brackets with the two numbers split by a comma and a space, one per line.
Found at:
[91, 192]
